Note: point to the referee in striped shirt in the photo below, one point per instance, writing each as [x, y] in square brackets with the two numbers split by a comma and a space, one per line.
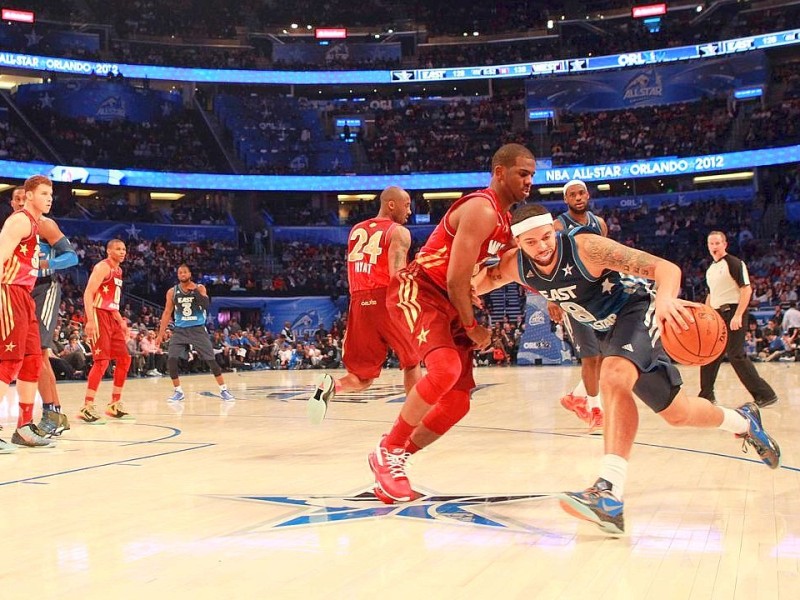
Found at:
[729, 294]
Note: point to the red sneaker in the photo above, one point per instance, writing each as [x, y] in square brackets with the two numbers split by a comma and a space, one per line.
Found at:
[595, 420]
[576, 404]
[389, 467]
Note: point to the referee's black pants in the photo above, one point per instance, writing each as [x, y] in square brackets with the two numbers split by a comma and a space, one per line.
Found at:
[745, 370]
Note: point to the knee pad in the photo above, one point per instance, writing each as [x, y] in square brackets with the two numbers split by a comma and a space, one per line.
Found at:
[212, 364]
[31, 366]
[172, 367]
[453, 407]
[444, 369]
[9, 370]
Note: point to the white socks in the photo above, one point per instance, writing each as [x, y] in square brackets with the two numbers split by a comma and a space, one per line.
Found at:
[614, 469]
[179, 389]
[734, 422]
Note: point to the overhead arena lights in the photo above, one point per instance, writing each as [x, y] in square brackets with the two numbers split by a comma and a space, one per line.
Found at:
[355, 197]
[165, 196]
[740, 176]
[442, 195]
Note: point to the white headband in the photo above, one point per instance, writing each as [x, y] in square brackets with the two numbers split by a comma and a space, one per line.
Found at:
[531, 223]
[574, 182]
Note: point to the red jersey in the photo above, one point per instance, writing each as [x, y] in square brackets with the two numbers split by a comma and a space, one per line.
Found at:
[434, 256]
[22, 268]
[368, 254]
[109, 293]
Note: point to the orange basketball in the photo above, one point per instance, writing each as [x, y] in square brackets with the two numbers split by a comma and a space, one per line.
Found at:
[702, 343]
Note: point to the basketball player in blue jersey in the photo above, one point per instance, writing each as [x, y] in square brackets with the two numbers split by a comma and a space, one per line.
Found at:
[603, 285]
[56, 253]
[187, 304]
[584, 400]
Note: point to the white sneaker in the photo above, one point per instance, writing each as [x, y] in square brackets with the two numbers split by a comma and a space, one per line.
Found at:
[317, 405]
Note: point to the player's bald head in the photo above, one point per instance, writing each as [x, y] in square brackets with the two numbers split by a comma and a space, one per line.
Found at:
[393, 193]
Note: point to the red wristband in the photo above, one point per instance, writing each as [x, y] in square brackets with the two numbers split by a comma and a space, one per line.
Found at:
[472, 325]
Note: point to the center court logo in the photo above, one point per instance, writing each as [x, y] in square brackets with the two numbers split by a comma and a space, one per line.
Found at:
[465, 509]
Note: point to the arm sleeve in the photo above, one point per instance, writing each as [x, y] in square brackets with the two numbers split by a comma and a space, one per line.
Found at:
[66, 256]
[203, 301]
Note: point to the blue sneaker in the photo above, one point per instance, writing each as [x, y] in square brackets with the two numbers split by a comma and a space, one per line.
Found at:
[227, 396]
[597, 505]
[177, 397]
[767, 448]
[317, 405]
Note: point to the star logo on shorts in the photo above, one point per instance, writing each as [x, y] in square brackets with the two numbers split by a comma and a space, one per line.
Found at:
[10, 347]
[567, 270]
[422, 338]
[97, 350]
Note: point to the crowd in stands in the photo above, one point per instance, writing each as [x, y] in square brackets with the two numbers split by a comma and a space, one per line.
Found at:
[178, 33]
[447, 136]
[776, 125]
[174, 143]
[668, 130]
[14, 145]
[173, 55]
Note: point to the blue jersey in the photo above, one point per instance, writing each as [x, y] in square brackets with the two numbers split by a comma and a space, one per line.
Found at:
[592, 301]
[592, 225]
[188, 312]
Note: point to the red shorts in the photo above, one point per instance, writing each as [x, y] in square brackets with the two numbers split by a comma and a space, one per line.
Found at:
[424, 313]
[111, 340]
[19, 328]
[369, 335]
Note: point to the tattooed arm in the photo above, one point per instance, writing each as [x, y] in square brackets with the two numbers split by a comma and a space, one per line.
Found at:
[599, 253]
[491, 278]
[398, 249]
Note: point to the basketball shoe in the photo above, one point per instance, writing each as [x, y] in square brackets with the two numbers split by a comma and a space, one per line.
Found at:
[53, 423]
[227, 396]
[389, 467]
[765, 446]
[177, 397]
[89, 414]
[597, 505]
[115, 410]
[6, 448]
[317, 406]
[595, 420]
[31, 436]
[576, 404]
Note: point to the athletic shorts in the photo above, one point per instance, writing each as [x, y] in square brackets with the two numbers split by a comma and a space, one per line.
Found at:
[635, 336]
[19, 329]
[47, 296]
[422, 311]
[584, 338]
[196, 337]
[370, 334]
[111, 341]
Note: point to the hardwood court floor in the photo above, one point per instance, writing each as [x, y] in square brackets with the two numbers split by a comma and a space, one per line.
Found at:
[248, 500]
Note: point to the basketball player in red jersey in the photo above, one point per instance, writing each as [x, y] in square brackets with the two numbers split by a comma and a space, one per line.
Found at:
[377, 250]
[20, 348]
[107, 332]
[431, 301]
